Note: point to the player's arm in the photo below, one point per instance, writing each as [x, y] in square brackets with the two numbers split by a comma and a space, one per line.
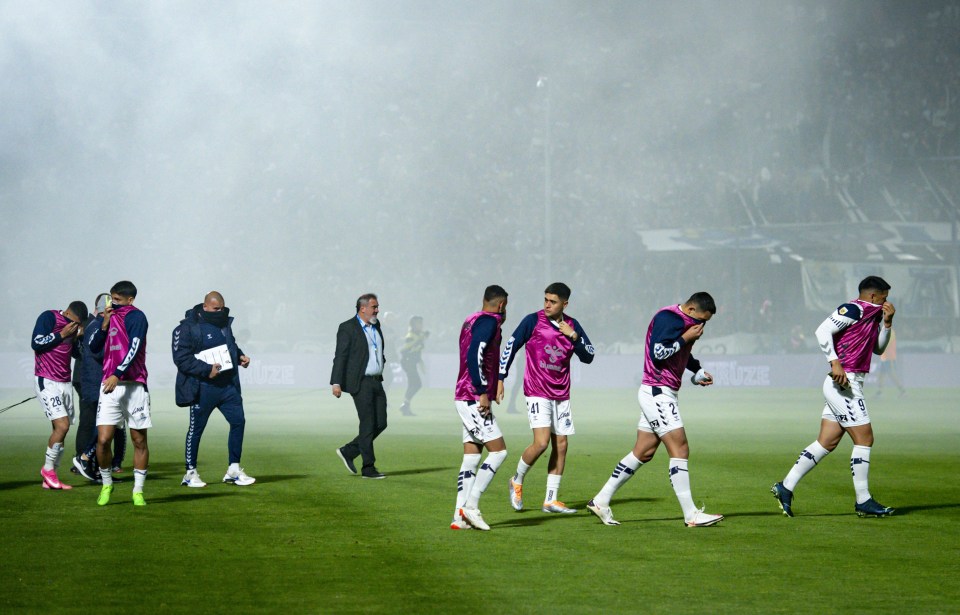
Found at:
[886, 327]
[44, 339]
[582, 346]
[666, 336]
[95, 337]
[181, 347]
[136, 324]
[520, 337]
[840, 319]
[481, 335]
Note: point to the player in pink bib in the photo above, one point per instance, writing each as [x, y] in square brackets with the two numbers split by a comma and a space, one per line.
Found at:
[122, 335]
[849, 337]
[477, 386]
[671, 335]
[551, 339]
[55, 341]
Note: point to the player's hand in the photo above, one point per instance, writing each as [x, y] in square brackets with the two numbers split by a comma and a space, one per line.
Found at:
[567, 330]
[337, 391]
[214, 370]
[110, 384]
[69, 330]
[693, 333]
[888, 312]
[244, 361]
[838, 375]
[106, 318]
[499, 397]
[707, 379]
[484, 403]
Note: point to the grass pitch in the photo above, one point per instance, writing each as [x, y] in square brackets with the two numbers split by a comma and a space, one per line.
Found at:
[308, 537]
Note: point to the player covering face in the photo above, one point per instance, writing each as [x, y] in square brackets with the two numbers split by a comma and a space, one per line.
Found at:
[670, 339]
[848, 337]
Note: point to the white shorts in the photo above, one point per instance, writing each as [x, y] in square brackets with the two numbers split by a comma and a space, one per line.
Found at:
[845, 406]
[477, 428]
[129, 402]
[659, 410]
[55, 397]
[552, 413]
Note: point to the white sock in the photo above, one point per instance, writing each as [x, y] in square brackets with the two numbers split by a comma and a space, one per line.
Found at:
[106, 476]
[680, 479]
[807, 461]
[468, 474]
[50, 460]
[621, 474]
[522, 469]
[59, 448]
[553, 487]
[487, 471]
[234, 468]
[860, 469]
[139, 476]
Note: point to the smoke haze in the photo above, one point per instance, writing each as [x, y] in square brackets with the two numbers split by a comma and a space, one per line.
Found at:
[295, 155]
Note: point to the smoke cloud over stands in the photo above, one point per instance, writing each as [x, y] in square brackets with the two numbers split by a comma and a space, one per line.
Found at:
[294, 156]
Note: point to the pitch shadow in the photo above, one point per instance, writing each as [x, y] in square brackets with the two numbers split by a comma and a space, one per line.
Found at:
[416, 471]
[18, 484]
[181, 497]
[279, 478]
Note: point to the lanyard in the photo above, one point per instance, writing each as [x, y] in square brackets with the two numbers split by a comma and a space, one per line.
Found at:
[372, 338]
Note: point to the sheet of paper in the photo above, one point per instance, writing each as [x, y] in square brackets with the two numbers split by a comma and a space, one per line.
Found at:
[218, 354]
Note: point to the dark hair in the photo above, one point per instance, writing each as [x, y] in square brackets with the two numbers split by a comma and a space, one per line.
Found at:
[79, 309]
[559, 289]
[124, 289]
[703, 301]
[364, 299]
[873, 282]
[494, 291]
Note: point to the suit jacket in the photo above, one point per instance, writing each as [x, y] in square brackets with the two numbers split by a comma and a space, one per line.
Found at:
[352, 355]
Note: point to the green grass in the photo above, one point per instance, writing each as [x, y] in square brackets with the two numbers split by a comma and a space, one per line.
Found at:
[308, 537]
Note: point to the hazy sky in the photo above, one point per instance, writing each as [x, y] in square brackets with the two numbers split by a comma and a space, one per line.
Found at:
[294, 155]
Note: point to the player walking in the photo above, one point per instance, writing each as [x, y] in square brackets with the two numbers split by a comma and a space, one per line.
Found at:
[54, 343]
[477, 386]
[551, 338]
[122, 335]
[670, 339]
[848, 337]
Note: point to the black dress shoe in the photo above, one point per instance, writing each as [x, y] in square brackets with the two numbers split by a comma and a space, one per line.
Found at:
[347, 462]
[374, 474]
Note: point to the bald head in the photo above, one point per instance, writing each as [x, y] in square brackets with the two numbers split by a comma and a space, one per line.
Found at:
[213, 302]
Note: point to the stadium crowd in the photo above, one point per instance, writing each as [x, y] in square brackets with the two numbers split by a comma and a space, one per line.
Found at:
[849, 100]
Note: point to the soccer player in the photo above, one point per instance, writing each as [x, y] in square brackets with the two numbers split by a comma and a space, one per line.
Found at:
[848, 337]
[55, 341]
[477, 386]
[122, 336]
[551, 339]
[670, 338]
[91, 375]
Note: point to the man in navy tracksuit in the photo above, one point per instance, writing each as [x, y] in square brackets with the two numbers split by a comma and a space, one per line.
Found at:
[205, 385]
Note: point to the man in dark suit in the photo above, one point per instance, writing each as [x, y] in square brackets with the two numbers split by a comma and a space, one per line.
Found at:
[358, 370]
